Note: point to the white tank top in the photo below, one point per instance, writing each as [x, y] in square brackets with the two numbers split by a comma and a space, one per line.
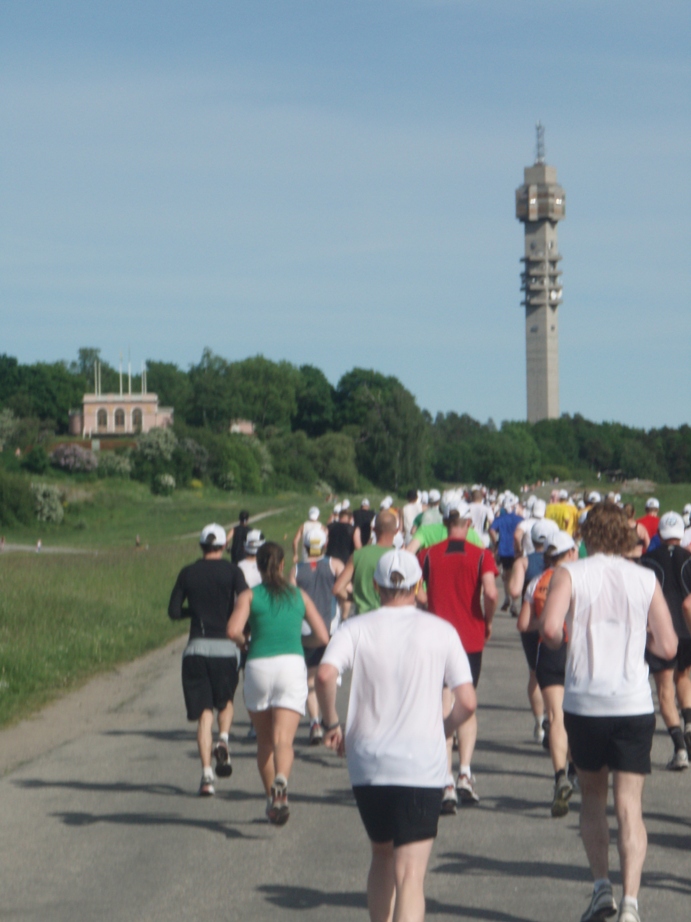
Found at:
[606, 672]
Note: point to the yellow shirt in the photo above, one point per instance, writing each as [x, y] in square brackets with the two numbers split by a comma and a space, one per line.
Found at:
[565, 515]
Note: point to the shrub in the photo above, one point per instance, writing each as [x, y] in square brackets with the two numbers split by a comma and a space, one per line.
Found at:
[163, 484]
[228, 480]
[48, 502]
[157, 444]
[74, 458]
[36, 460]
[111, 464]
[16, 500]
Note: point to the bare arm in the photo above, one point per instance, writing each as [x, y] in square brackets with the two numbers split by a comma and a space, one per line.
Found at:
[357, 538]
[551, 623]
[490, 595]
[413, 547]
[464, 704]
[526, 619]
[296, 544]
[238, 620]
[517, 577]
[325, 684]
[340, 589]
[293, 580]
[663, 638]
[518, 543]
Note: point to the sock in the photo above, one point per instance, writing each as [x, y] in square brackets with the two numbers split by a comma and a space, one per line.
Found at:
[313, 721]
[686, 714]
[539, 719]
[223, 737]
[630, 901]
[465, 770]
[600, 883]
[558, 775]
[208, 773]
[677, 738]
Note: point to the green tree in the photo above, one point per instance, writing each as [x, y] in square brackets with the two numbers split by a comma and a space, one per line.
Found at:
[315, 409]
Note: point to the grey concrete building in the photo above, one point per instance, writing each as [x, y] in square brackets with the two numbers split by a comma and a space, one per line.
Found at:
[540, 205]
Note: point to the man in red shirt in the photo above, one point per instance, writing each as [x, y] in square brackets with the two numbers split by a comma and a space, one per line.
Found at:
[651, 520]
[458, 574]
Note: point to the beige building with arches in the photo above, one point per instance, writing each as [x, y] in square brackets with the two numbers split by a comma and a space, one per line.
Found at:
[119, 414]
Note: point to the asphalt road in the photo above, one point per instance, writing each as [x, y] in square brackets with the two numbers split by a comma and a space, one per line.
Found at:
[107, 826]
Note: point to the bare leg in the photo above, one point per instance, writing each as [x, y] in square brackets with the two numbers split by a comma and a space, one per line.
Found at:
[225, 718]
[205, 737]
[664, 682]
[537, 705]
[263, 724]
[467, 737]
[285, 725]
[633, 838]
[683, 684]
[312, 704]
[594, 828]
[381, 882]
[558, 742]
[410, 863]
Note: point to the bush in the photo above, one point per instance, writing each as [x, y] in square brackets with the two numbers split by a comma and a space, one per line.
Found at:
[228, 480]
[48, 502]
[16, 500]
[74, 458]
[112, 464]
[36, 460]
[163, 484]
[157, 445]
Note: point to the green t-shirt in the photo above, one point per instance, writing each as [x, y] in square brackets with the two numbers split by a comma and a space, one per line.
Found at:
[276, 622]
[428, 535]
[365, 562]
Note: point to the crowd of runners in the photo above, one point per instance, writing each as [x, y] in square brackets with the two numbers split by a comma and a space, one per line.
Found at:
[404, 599]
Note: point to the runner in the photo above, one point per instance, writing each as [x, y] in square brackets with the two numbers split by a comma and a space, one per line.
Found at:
[275, 686]
[671, 564]
[642, 536]
[316, 577]
[432, 515]
[210, 661]
[651, 520]
[501, 532]
[248, 564]
[458, 574]
[409, 513]
[399, 657]
[611, 604]
[340, 536]
[237, 537]
[359, 571]
[551, 665]
[362, 520]
[299, 551]
[482, 515]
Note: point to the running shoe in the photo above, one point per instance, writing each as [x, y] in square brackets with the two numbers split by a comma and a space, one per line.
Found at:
[466, 791]
[538, 732]
[572, 775]
[449, 802]
[602, 905]
[206, 788]
[560, 802]
[278, 810]
[316, 734]
[628, 914]
[224, 768]
[679, 761]
[545, 738]
[505, 606]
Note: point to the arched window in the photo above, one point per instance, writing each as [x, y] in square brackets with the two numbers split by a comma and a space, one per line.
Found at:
[137, 420]
[119, 420]
[102, 420]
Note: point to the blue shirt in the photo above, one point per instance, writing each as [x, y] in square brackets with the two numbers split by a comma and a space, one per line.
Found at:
[505, 526]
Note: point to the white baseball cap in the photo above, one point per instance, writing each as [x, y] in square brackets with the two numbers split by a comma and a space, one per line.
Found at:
[434, 495]
[542, 531]
[386, 503]
[401, 563]
[559, 543]
[652, 503]
[365, 502]
[314, 540]
[539, 509]
[424, 497]
[452, 501]
[313, 514]
[337, 508]
[671, 526]
[213, 537]
[345, 505]
[594, 497]
[253, 541]
[563, 494]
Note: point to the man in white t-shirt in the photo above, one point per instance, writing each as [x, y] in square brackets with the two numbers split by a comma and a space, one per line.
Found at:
[395, 736]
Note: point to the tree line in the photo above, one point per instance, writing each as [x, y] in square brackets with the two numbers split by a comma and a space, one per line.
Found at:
[368, 429]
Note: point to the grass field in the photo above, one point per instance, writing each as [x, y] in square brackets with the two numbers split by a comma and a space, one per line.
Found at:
[65, 617]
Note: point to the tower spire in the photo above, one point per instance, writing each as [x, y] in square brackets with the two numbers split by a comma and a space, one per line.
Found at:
[540, 142]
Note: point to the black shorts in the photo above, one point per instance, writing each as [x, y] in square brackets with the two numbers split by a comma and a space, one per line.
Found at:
[531, 641]
[507, 563]
[475, 661]
[208, 683]
[623, 744]
[313, 655]
[398, 814]
[657, 664]
[684, 655]
[551, 666]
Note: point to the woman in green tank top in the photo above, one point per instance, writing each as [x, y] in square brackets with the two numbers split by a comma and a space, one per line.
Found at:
[275, 686]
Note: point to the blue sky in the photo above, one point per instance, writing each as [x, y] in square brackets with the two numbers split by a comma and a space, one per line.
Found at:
[333, 183]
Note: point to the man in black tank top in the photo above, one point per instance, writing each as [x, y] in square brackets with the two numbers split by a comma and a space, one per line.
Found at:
[340, 542]
[671, 564]
[362, 520]
[237, 538]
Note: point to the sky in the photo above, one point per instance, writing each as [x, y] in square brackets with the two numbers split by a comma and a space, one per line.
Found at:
[332, 182]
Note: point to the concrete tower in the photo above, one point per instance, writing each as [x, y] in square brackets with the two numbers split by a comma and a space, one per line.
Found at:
[540, 204]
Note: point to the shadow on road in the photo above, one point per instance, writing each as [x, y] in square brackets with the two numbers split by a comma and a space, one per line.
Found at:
[151, 819]
[465, 864]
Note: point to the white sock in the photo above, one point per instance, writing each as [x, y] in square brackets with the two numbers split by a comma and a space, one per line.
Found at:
[465, 770]
[539, 719]
[208, 774]
[630, 901]
[223, 737]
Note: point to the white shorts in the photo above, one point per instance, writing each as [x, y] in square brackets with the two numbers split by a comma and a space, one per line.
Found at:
[276, 682]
